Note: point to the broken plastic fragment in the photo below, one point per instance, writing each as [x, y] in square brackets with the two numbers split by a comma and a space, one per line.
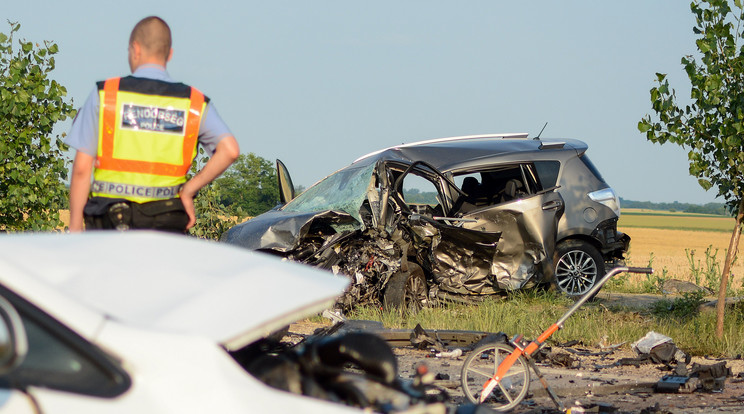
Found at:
[455, 353]
[648, 342]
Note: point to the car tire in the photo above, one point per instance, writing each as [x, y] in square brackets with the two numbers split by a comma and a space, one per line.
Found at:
[407, 291]
[579, 266]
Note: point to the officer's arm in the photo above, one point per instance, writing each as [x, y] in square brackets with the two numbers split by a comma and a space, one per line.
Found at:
[226, 153]
[82, 168]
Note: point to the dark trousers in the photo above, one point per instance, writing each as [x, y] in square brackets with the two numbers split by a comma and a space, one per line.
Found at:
[164, 215]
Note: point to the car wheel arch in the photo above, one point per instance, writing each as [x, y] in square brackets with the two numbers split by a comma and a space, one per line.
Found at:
[578, 265]
[586, 238]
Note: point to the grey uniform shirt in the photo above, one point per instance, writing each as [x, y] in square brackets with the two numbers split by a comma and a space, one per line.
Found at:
[83, 134]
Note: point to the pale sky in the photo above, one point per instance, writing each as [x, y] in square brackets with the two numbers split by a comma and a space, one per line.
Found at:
[319, 83]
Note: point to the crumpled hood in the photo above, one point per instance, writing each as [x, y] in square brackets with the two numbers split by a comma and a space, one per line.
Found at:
[281, 231]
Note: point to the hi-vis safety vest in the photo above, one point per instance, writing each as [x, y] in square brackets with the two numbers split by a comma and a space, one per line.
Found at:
[147, 138]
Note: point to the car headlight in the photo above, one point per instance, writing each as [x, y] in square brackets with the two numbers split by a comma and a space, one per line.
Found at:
[607, 197]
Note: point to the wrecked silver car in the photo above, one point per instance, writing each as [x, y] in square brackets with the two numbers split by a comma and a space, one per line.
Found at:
[447, 218]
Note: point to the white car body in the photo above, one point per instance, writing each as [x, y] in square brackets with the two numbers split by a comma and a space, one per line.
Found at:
[163, 310]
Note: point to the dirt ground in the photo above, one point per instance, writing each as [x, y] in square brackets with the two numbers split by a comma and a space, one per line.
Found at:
[593, 381]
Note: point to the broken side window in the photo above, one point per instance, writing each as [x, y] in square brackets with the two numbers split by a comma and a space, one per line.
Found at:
[470, 184]
[421, 195]
[495, 185]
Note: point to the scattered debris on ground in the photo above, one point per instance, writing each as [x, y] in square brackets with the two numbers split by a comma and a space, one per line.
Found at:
[598, 378]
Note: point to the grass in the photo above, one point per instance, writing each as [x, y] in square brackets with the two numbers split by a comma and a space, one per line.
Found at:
[530, 313]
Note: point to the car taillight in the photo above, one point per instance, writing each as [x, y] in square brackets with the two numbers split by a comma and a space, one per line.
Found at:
[607, 197]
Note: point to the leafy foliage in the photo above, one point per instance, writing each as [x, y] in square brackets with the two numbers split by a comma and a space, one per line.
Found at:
[654, 282]
[32, 163]
[681, 308]
[248, 188]
[708, 273]
[250, 184]
[711, 127]
[212, 217]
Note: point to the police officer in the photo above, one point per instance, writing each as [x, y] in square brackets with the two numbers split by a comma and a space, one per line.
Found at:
[138, 136]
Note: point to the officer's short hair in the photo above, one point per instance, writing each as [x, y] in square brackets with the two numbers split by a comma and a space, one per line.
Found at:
[153, 34]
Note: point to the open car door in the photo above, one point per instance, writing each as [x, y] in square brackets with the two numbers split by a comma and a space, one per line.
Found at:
[460, 258]
[528, 227]
[286, 188]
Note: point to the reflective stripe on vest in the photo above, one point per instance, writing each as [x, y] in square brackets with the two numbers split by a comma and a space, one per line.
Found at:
[147, 141]
[128, 190]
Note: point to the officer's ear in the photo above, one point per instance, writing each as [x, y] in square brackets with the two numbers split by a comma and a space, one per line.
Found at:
[136, 48]
[135, 52]
[170, 55]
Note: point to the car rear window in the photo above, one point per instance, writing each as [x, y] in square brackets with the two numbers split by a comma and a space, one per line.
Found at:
[585, 159]
[548, 171]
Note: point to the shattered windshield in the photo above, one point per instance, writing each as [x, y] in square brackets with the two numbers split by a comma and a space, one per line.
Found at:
[344, 190]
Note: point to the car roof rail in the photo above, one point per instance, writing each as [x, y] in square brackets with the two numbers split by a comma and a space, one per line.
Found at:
[517, 135]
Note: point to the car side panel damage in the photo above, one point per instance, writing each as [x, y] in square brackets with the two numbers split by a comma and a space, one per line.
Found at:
[470, 260]
[528, 227]
[462, 260]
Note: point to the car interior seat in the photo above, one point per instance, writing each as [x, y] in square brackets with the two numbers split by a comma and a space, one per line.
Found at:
[465, 203]
[512, 190]
[470, 186]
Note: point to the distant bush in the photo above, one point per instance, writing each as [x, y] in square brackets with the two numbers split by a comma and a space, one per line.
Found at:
[681, 308]
[709, 208]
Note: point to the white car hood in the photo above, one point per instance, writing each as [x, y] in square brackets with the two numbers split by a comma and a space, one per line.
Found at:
[165, 282]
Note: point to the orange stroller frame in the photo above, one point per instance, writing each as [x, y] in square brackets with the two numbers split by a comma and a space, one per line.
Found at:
[498, 374]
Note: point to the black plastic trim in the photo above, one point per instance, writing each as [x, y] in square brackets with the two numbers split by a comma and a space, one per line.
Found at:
[119, 380]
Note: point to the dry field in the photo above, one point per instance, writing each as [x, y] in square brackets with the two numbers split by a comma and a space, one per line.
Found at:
[633, 217]
[668, 247]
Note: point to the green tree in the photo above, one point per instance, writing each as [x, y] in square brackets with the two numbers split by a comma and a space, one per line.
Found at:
[212, 217]
[711, 125]
[248, 188]
[32, 164]
[251, 184]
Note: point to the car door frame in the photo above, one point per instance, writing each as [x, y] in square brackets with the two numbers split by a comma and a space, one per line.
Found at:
[540, 210]
[25, 379]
